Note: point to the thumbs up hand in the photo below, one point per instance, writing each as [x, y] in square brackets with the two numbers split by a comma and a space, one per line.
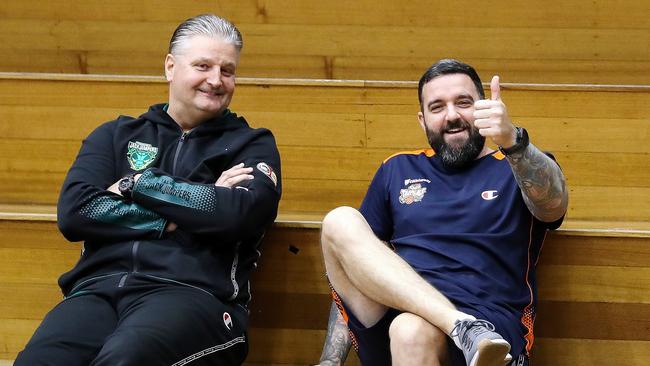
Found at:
[491, 117]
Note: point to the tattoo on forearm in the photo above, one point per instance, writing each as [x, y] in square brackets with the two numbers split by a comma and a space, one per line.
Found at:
[337, 340]
[542, 183]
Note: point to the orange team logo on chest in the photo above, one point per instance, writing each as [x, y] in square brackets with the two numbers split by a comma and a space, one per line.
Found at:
[413, 193]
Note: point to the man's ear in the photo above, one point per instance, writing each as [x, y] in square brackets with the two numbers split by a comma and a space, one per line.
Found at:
[170, 62]
[421, 120]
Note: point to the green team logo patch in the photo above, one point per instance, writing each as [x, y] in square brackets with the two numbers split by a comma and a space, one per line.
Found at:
[140, 154]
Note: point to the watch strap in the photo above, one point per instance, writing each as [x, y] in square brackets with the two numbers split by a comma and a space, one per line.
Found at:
[521, 142]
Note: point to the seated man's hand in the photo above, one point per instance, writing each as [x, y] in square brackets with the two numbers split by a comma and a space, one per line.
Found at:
[233, 176]
[170, 227]
[113, 188]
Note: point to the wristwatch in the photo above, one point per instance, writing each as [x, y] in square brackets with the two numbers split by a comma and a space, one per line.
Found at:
[125, 186]
[521, 142]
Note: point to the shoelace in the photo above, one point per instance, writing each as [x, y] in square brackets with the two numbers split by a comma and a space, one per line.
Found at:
[473, 327]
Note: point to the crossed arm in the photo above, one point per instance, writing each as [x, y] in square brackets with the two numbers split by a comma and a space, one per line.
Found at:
[228, 179]
[87, 210]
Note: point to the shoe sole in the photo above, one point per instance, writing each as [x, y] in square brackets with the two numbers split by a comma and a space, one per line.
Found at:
[491, 352]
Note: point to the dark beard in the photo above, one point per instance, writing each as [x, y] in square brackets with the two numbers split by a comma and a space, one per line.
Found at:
[456, 156]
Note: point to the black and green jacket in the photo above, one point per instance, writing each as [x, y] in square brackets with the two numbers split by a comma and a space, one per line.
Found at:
[219, 230]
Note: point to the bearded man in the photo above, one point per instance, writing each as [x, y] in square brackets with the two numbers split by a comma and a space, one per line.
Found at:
[438, 265]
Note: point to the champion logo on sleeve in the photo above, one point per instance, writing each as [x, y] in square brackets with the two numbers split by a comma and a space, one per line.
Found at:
[268, 171]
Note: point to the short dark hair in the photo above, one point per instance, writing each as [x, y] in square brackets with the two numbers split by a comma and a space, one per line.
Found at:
[446, 67]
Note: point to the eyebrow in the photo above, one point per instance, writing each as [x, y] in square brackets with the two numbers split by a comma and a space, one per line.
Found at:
[207, 60]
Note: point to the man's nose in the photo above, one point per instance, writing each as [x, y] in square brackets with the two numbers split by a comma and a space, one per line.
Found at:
[214, 78]
[452, 112]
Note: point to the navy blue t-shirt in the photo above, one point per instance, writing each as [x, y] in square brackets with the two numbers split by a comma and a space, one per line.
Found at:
[467, 231]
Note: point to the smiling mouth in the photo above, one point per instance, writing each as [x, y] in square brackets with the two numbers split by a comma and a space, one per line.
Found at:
[453, 131]
[210, 93]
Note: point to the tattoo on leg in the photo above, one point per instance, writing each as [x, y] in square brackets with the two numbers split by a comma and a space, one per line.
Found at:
[337, 340]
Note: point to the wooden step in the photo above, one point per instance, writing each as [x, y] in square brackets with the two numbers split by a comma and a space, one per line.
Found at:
[552, 41]
[594, 290]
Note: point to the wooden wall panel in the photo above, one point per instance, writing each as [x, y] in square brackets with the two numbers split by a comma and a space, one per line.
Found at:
[593, 290]
[333, 136]
[554, 14]
[556, 351]
[567, 42]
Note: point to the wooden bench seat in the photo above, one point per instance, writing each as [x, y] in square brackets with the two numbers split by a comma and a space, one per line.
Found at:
[551, 42]
[594, 290]
[332, 135]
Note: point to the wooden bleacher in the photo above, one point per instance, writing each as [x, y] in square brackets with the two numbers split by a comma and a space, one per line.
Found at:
[593, 287]
[554, 41]
[593, 275]
[592, 111]
[332, 135]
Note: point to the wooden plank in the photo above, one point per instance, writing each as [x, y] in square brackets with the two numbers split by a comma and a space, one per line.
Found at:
[524, 101]
[34, 235]
[340, 67]
[290, 310]
[412, 68]
[339, 163]
[608, 203]
[28, 300]
[595, 193]
[334, 40]
[312, 129]
[75, 123]
[561, 249]
[591, 203]
[594, 283]
[615, 321]
[558, 134]
[14, 334]
[19, 265]
[556, 14]
[85, 36]
[566, 352]
[56, 122]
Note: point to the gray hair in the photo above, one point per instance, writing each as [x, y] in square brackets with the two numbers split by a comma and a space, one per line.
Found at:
[208, 25]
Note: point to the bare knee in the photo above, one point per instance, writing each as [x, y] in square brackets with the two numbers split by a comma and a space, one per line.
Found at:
[336, 225]
[413, 338]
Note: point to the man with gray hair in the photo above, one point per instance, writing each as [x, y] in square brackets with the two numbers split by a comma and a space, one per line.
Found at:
[172, 207]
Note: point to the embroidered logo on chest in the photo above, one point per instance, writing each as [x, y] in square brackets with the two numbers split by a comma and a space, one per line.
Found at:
[489, 195]
[140, 155]
[412, 193]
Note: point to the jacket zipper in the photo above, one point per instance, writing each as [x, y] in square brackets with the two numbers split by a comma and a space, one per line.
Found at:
[134, 268]
[134, 248]
[178, 150]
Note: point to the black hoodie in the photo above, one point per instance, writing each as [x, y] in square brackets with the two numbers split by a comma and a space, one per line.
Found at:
[216, 244]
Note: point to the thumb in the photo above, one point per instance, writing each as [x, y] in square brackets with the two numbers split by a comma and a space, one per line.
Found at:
[495, 88]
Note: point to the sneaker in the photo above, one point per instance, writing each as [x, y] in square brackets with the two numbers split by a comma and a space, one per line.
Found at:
[480, 344]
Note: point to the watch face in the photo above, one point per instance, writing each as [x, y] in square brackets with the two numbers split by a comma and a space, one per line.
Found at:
[126, 184]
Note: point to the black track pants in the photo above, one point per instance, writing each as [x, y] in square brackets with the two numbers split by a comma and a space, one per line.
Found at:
[142, 323]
